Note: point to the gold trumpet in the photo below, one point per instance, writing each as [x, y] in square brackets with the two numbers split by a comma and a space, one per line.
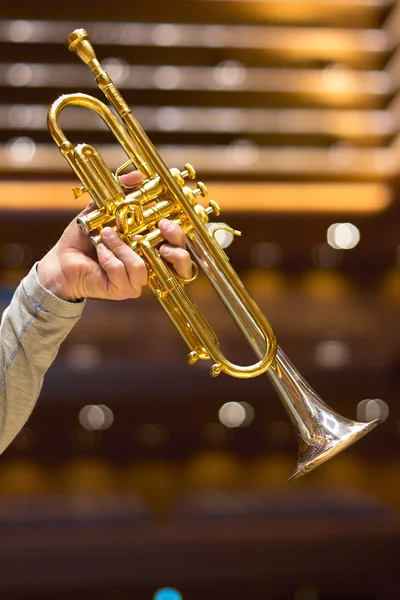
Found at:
[164, 194]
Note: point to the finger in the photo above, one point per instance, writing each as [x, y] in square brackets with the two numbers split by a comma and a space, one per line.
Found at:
[172, 233]
[91, 206]
[117, 281]
[131, 179]
[134, 265]
[179, 259]
[75, 237]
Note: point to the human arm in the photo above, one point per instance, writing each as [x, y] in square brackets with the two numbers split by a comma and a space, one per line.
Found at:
[31, 332]
[48, 303]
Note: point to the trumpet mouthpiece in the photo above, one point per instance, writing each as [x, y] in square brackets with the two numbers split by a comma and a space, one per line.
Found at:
[75, 37]
[78, 42]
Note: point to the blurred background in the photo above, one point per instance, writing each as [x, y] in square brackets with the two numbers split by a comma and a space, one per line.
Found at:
[138, 476]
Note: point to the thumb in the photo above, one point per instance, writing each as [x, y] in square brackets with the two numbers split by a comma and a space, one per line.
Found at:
[91, 206]
[131, 179]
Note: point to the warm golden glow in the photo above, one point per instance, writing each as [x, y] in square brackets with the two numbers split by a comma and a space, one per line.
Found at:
[240, 197]
[360, 198]
[310, 11]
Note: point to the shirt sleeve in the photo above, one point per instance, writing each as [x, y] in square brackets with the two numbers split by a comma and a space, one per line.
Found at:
[32, 329]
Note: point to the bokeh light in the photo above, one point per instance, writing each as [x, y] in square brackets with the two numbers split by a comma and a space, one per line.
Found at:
[266, 255]
[343, 236]
[152, 436]
[230, 74]
[21, 149]
[167, 594]
[167, 77]
[20, 116]
[323, 255]
[370, 409]
[214, 434]
[117, 68]
[19, 75]
[243, 152]
[20, 31]
[169, 118]
[83, 357]
[236, 414]
[332, 354]
[165, 34]
[14, 255]
[96, 418]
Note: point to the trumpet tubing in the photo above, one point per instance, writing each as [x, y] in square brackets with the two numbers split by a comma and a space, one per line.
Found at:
[134, 214]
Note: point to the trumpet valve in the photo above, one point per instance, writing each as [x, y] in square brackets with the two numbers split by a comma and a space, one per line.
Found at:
[93, 220]
[190, 195]
[189, 171]
[201, 212]
[180, 176]
[84, 225]
[201, 190]
[213, 207]
[96, 240]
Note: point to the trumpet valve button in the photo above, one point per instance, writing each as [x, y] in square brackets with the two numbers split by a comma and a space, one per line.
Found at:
[95, 240]
[201, 212]
[215, 208]
[190, 195]
[201, 190]
[84, 225]
[178, 176]
[189, 171]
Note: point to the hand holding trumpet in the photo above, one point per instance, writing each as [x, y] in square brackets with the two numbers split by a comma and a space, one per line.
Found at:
[73, 269]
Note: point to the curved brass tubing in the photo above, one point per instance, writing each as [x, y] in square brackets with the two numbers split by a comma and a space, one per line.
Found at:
[321, 432]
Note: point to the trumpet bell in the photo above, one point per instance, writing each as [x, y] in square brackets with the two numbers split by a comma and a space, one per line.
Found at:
[321, 432]
[329, 441]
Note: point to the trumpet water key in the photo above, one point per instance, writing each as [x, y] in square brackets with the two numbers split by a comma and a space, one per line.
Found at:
[164, 193]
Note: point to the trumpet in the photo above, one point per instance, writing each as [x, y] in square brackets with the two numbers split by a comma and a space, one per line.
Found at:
[134, 215]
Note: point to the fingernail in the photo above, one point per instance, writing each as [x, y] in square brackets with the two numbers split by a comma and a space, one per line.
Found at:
[100, 247]
[166, 251]
[108, 233]
[165, 224]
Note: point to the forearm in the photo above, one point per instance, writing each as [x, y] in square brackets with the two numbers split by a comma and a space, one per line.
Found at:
[32, 329]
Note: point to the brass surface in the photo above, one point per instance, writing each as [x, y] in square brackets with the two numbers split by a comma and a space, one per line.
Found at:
[164, 194]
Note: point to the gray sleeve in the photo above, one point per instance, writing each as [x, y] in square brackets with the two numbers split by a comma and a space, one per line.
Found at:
[31, 331]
